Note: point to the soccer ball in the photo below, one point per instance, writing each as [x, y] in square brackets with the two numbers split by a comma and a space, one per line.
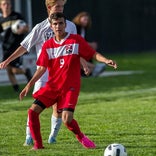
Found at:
[18, 24]
[115, 149]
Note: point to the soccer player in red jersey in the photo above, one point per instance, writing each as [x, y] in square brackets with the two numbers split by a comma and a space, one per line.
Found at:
[38, 35]
[61, 56]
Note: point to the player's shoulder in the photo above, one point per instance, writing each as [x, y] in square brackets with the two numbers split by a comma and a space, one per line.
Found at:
[76, 37]
[42, 25]
[48, 42]
[70, 23]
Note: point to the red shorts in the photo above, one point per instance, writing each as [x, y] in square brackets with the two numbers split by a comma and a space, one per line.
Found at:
[65, 100]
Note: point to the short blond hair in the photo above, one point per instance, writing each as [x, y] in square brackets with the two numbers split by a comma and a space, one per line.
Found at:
[50, 3]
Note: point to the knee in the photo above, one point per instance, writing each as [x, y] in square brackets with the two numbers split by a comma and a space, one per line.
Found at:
[9, 71]
[66, 121]
[67, 118]
[56, 114]
[36, 108]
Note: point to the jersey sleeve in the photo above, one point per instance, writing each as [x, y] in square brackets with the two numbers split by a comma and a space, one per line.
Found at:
[31, 39]
[85, 50]
[71, 28]
[43, 58]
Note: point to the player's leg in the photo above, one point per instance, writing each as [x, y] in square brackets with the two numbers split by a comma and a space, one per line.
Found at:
[17, 63]
[26, 72]
[56, 121]
[10, 74]
[68, 103]
[99, 68]
[34, 123]
[72, 125]
[12, 78]
[28, 139]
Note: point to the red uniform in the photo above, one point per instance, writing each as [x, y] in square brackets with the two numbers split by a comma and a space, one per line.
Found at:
[63, 62]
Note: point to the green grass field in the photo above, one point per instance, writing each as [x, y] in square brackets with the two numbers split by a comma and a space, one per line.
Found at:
[111, 109]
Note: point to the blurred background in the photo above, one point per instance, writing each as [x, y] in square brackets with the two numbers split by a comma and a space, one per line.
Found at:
[118, 26]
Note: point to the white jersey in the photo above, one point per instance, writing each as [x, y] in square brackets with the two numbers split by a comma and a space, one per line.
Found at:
[39, 34]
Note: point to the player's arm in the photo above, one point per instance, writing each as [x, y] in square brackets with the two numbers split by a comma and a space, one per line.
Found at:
[39, 72]
[97, 56]
[18, 52]
[87, 51]
[42, 67]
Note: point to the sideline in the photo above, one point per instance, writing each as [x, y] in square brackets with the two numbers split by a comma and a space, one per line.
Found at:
[117, 73]
[29, 61]
[21, 78]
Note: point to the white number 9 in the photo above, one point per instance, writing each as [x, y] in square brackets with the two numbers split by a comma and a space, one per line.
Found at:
[61, 63]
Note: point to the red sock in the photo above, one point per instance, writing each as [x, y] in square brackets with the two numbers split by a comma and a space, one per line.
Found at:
[74, 127]
[34, 125]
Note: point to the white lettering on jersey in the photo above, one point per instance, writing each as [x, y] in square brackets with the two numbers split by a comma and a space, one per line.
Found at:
[48, 34]
[65, 50]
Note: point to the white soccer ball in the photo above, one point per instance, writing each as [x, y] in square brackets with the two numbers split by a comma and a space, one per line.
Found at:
[115, 149]
[18, 24]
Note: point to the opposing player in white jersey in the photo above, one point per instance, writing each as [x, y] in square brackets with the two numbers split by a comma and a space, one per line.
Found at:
[39, 34]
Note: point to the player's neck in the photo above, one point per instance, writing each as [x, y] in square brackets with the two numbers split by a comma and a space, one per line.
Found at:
[59, 38]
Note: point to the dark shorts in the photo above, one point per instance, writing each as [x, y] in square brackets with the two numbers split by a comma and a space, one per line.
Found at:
[15, 63]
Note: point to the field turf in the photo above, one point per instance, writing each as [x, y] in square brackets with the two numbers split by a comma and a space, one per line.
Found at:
[114, 109]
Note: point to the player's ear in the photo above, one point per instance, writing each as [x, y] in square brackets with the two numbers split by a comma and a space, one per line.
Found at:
[51, 26]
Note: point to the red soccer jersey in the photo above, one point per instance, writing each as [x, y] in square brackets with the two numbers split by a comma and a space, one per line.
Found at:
[63, 61]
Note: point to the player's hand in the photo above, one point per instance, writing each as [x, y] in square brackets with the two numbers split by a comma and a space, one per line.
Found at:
[111, 63]
[87, 71]
[24, 92]
[3, 64]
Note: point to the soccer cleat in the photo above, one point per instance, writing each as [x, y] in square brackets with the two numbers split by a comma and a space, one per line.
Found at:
[28, 141]
[28, 74]
[51, 140]
[86, 142]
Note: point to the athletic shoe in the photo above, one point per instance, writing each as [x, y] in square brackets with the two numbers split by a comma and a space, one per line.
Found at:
[16, 88]
[28, 141]
[51, 140]
[86, 142]
[28, 74]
